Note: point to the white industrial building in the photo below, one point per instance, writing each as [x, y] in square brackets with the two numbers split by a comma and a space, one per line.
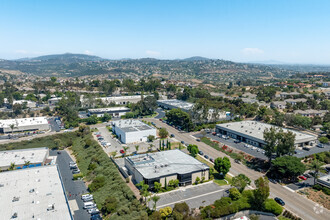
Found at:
[29, 104]
[212, 114]
[35, 193]
[113, 111]
[54, 101]
[35, 157]
[132, 131]
[121, 100]
[24, 124]
[165, 166]
[252, 132]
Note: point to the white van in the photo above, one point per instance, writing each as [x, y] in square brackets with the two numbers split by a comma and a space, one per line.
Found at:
[87, 197]
[89, 205]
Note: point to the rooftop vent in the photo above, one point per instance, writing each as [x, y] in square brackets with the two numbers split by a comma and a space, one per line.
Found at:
[14, 215]
[15, 199]
[31, 190]
[51, 207]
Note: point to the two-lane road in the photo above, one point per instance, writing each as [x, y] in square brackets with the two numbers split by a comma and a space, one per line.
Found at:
[294, 202]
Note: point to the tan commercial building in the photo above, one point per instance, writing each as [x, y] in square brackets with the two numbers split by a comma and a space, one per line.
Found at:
[165, 166]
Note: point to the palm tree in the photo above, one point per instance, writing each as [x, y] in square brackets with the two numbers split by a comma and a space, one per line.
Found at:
[125, 150]
[27, 163]
[12, 127]
[316, 167]
[114, 153]
[137, 148]
[155, 200]
[12, 166]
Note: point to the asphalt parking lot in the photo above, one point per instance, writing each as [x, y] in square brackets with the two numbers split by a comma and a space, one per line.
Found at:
[255, 153]
[195, 196]
[240, 146]
[73, 189]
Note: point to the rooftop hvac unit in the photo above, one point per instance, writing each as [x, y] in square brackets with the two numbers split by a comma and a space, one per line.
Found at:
[15, 199]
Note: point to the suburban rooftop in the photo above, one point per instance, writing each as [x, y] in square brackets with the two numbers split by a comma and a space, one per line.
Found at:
[256, 129]
[23, 121]
[33, 155]
[130, 125]
[34, 193]
[177, 103]
[108, 109]
[164, 163]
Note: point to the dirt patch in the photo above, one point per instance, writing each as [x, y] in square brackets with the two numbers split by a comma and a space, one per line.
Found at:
[317, 196]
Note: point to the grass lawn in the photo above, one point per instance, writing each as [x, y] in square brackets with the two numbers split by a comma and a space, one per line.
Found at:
[210, 143]
[217, 179]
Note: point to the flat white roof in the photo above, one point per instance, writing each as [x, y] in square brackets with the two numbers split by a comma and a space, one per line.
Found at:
[23, 122]
[30, 192]
[112, 109]
[34, 155]
[115, 98]
[130, 125]
[165, 163]
[177, 103]
[256, 129]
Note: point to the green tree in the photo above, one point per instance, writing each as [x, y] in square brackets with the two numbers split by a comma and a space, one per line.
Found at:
[155, 200]
[287, 167]
[106, 117]
[110, 205]
[163, 133]
[92, 120]
[193, 150]
[315, 166]
[271, 142]
[261, 192]
[165, 212]
[240, 182]
[234, 194]
[324, 140]
[12, 166]
[157, 186]
[137, 148]
[27, 163]
[151, 138]
[285, 143]
[222, 165]
[144, 190]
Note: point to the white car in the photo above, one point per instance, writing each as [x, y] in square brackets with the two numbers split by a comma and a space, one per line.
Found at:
[93, 211]
[87, 197]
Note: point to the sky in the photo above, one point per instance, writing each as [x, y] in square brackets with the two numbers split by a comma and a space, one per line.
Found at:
[289, 31]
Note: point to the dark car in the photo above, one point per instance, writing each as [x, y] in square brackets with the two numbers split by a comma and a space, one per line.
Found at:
[182, 142]
[207, 157]
[320, 145]
[59, 152]
[211, 159]
[96, 217]
[172, 135]
[237, 141]
[279, 201]
[201, 152]
[198, 139]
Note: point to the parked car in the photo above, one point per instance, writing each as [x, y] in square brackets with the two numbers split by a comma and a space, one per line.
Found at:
[198, 139]
[75, 171]
[122, 151]
[237, 161]
[320, 145]
[214, 133]
[308, 175]
[87, 197]
[236, 141]
[182, 142]
[93, 211]
[306, 148]
[302, 177]
[172, 135]
[89, 205]
[98, 135]
[96, 217]
[279, 201]
[211, 159]
[272, 181]
[201, 152]
[207, 157]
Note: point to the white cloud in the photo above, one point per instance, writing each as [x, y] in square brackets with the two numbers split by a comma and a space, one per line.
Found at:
[152, 53]
[21, 51]
[252, 51]
[88, 52]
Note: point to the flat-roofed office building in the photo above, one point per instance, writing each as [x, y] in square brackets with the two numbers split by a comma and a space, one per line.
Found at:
[23, 124]
[113, 111]
[165, 166]
[132, 131]
[35, 193]
[252, 132]
[34, 157]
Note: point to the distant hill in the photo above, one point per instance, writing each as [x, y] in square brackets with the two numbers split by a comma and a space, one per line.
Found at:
[195, 58]
[197, 68]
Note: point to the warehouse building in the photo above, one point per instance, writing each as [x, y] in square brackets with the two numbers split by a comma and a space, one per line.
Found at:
[113, 111]
[174, 103]
[54, 101]
[132, 131]
[211, 116]
[252, 132]
[324, 181]
[165, 166]
[23, 124]
[35, 193]
[121, 100]
[35, 156]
